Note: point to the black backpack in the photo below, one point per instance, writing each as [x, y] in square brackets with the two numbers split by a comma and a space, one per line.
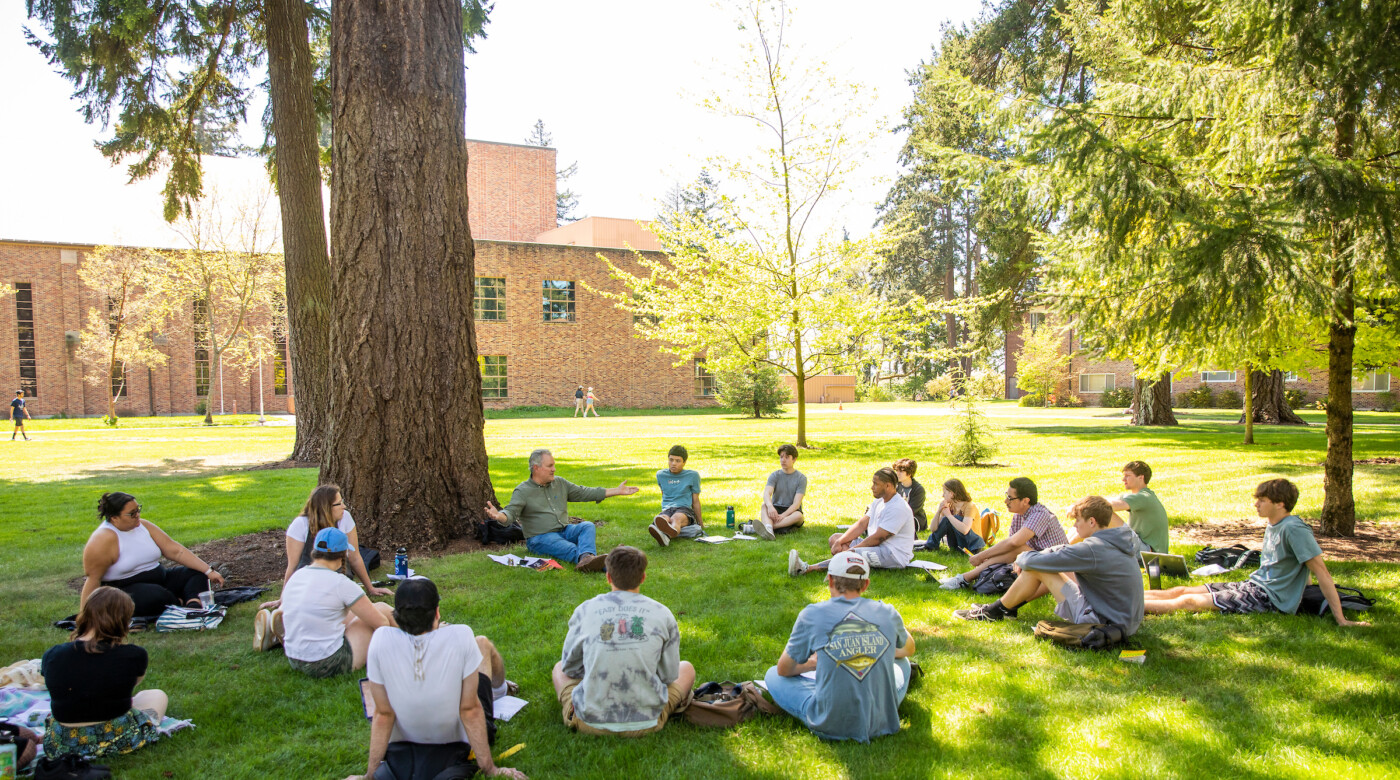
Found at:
[995, 579]
[1314, 603]
[1235, 556]
[496, 532]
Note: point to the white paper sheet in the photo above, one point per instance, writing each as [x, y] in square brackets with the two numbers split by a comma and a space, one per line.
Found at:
[505, 560]
[744, 536]
[506, 707]
[712, 539]
[1209, 570]
[812, 675]
[929, 565]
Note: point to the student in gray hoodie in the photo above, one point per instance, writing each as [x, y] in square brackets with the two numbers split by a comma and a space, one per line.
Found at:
[1094, 581]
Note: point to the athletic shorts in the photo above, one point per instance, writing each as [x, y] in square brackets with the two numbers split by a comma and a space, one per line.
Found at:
[671, 510]
[1074, 608]
[339, 662]
[1240, 598]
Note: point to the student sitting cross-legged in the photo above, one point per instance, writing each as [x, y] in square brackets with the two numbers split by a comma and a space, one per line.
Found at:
[432, 686]
[859, 650]
[680, 500]
[782, 497]
[1033, 527]
[1095, 581]
[1290, 552]
[884, 536]
[622, 672]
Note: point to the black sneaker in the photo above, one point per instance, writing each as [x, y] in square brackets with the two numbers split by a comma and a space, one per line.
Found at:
[69, 767]
[990, 612]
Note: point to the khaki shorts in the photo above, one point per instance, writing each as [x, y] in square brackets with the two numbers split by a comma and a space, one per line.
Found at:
[677, 698]
[1075, 608]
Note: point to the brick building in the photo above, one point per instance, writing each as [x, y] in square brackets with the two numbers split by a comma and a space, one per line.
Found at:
[1090, 376]
[540, 331]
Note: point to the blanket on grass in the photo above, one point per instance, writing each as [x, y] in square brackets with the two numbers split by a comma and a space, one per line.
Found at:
[31, 710]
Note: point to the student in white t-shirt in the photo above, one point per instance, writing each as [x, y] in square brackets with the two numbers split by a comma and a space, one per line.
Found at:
[327, 619]
[884, 536]
[432, 686]
[325, 509]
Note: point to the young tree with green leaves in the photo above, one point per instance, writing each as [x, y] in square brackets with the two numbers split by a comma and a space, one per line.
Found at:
[1042, 363]
[127, 282]
[756, 391]
[785, 289]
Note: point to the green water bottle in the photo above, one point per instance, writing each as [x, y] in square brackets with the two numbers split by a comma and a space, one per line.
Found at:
[729, 517]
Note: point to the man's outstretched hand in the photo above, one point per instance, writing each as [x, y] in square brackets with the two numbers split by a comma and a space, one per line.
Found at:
[496, 514]
[623, 489]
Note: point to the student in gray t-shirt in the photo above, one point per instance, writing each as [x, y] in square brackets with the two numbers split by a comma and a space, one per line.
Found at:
[782, 497]
[859, 651]
[621, 671]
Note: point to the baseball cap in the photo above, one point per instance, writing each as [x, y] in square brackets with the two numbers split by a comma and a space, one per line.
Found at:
[849, 564]
[331, 540]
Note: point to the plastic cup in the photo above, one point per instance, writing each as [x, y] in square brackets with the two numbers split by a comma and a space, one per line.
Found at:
[206, 600]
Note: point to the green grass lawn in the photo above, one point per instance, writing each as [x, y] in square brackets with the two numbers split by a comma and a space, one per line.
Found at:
[1258, 697]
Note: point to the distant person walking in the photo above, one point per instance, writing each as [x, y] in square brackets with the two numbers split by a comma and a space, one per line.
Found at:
[588, 401]
[18, 413]
[578, 400]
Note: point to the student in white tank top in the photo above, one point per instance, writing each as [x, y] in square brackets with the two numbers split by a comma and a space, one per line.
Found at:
[124, 552]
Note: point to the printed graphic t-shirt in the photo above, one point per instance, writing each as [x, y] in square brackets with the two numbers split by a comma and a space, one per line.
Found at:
[855, 641]
[626, 648]
[1288, 544]
[676, 489]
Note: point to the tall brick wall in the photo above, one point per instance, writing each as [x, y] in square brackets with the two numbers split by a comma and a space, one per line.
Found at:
[510, 191]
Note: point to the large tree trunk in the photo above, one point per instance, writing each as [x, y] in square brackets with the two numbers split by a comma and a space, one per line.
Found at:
[1270, 404]
[406, 440]
[1338, 503]
[298, 155]
[1152, 401]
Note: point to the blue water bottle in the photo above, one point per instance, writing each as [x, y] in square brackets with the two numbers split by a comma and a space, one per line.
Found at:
[401, 562]
[729, 517]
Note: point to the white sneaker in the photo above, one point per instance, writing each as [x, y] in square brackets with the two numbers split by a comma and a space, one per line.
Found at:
[263, 635]
[762, 530]
[795, 565]
[952, 583]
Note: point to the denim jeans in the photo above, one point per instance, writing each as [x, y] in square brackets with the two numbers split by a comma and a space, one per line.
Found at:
[794, 694]
[970, 541]
[567, 545]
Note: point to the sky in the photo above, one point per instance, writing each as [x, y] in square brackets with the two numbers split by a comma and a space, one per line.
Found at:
[618, 85]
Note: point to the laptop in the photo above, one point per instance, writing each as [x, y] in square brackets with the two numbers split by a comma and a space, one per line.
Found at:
[1158, 564]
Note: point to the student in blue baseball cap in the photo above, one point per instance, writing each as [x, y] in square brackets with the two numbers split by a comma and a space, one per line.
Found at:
[327, 619]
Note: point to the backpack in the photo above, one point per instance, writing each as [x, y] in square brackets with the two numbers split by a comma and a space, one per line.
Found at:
[726, 704]
[1081, 636]
[1233, 557]
[986, 526]
[995, 579]
[1314, 603]
[496, 532]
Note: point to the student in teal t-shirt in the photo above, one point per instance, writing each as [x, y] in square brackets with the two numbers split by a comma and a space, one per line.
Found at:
[680, 500]
[1290, 552]
[1146, 515]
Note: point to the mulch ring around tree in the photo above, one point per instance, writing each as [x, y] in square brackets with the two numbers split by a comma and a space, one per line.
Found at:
[1373, 543]
[261, 558]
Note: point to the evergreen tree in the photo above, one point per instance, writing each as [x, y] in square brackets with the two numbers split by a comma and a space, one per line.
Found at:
[565, 199]
[757, 391]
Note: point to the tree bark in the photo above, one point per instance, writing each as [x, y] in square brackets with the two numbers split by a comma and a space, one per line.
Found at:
[1152, 401]
[1248, 404]
[1338, 502]
[298, 154]
[406, 440]
[1270, 404]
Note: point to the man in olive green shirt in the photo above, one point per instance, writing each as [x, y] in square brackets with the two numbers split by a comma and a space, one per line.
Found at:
[1146, 515]
[541, 505]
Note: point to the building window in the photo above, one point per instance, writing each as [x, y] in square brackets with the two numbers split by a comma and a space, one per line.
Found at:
[1217, 376]
[201, 348]
[1290, 376]
[1372, 382]
[558, 301]
[493, 377]
[490, 302]
[1034, 320]
[704, 381]
[1096, 383]
[24, 317]
[279, 350]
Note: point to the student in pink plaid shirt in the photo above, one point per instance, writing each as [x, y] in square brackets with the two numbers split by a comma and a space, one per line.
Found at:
[1033, 527]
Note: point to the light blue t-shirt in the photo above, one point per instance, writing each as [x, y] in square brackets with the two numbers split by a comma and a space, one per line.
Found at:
[676, 489]
[1288, 544]
[855, 642]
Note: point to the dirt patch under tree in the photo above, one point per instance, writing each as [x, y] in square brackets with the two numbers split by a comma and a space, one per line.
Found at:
[1373, 543]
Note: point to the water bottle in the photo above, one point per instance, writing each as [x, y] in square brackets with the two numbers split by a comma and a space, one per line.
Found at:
[401, 562]
[729, 517]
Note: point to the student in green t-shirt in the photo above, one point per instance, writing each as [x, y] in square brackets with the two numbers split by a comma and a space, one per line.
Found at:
[1146, 515]
[1290, 553]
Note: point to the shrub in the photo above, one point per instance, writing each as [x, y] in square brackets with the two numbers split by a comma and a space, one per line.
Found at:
[1199, 398]
[1384, 402]
[1031, 399]
[1296, 398]
[110, 422]
[1183, 401]
[1320, 404]
[1069, 401]
[1117, 398]
[972, 440]
[985, 384]
[201, 407]
[940, 388]
[759, 392]
[1229, 399]
[876, 392]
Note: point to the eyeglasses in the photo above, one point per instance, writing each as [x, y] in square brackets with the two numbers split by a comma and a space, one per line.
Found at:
[1009, 498]
[135, 512]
